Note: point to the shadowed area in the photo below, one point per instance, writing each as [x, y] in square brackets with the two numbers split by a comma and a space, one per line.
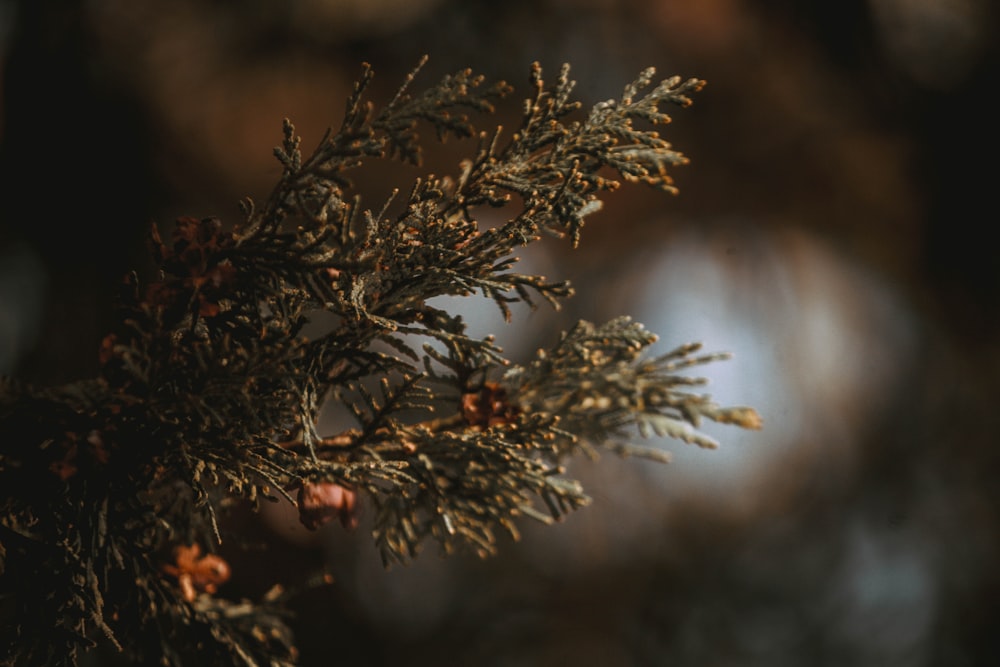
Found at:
[828, 232]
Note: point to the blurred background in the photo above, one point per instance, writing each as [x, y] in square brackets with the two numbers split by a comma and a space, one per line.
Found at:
[831, 231]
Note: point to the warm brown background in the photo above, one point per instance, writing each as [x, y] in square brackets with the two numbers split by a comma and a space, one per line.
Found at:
[833, 229]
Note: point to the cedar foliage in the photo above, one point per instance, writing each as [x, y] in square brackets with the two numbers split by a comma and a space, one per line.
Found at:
[113, 488]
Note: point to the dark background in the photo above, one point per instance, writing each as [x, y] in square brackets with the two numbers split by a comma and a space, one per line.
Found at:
[834, 228]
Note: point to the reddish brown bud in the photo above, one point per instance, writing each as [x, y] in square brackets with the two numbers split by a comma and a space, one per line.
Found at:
[107, 350]
[488, 407]
[196, 573]
[321, 502]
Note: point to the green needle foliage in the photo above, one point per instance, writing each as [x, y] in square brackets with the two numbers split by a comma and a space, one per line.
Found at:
[113, 488]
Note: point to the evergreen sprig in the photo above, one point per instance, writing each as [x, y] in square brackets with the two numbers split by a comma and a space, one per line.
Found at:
[210, 393]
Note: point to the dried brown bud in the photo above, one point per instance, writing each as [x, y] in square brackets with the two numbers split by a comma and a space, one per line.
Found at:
[321, 502]
[107, 350]
[196, 573]
[488, 407]
[193, 266]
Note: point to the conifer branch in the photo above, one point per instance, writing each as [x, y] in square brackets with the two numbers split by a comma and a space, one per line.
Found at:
[114, 488]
